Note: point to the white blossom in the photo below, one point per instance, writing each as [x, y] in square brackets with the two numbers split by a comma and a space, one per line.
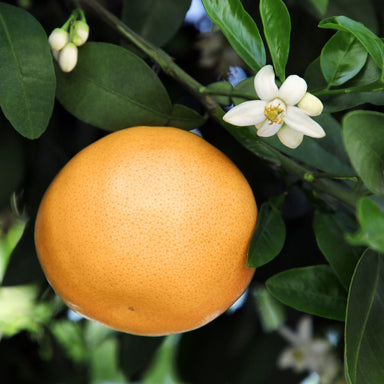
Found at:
[80, 33]
[284, 111]
[308, 354]
[68, 57]
[57, 39]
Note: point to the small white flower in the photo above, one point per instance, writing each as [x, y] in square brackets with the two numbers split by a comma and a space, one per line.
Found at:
[80, 33]
[308, 354]
[57, 39]
[276, 111]
[68, 57]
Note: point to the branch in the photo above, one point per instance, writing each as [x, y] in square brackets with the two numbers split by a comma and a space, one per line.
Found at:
[194, 87]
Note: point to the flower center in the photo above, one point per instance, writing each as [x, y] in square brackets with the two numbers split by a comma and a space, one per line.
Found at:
[275, 112]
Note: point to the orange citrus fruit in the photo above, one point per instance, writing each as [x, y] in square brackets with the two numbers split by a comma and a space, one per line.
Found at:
[146, 231]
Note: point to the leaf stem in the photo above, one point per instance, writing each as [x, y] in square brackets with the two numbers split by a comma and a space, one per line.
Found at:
[372, 87]
[338, 176]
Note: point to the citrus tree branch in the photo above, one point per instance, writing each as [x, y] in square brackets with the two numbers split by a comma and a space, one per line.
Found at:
[168, 65]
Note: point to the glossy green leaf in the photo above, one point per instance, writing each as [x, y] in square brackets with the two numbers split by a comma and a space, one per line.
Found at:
[112, 88]
[277, 32]
[368, 77]
[371, 220]
[363, 133]
[364, 328]
[342, 58]
[26, 72]
[371, 42]
[244, 91]
[330, 229]
[269, 236]
[240, 30]
[314, 76]
[315, 290]
[185, 118]
[155, 20]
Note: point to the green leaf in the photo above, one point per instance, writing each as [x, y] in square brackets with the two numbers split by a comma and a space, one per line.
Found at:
[8, 241]
[112, 88]
[277, 31]
[155, 20]
[364, 328]
[244, 91]
[185, 118]
[240, 30]
[314, 76]
[26, 72]
[371, 230]
[315, 290]
[269, 236]
[342, 58]
[363, 133]
[342, 257]
[367, 38]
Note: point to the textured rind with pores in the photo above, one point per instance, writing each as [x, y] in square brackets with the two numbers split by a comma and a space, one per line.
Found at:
[146, 231]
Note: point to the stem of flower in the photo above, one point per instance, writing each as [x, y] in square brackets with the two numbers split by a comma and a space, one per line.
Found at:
[373, 87]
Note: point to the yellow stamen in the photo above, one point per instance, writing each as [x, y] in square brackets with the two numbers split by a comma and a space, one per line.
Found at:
[274, 113]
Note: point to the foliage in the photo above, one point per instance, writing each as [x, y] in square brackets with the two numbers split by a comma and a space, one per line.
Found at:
[318, 245]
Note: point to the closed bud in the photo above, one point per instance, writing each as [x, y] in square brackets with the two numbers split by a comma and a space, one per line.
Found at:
[57, 39]
[68, 57]
[311, 105]
[80, 33]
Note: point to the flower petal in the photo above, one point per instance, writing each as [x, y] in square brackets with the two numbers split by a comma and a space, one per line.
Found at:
[247, 113]
[292, 90]
[268, 129]
[265, 85]
[311, 105]
[289, 137]
[299, 121]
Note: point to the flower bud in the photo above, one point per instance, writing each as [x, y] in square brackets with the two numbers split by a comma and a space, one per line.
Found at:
[55, 55]
[310, 105]
[80, 33]
[57, 39]
[68, 57]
